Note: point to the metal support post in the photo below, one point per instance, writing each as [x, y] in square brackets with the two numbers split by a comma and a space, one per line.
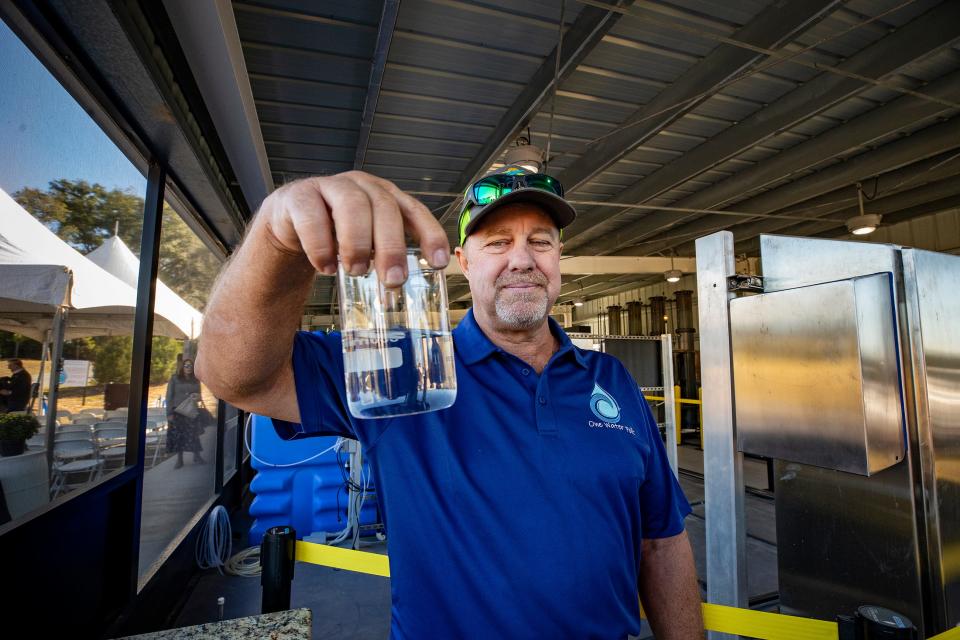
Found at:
[669, 404]
[142, 350]
[356, 504]
[221, 431]
[56, 366]
[38, 397]
[722, 462]
[143, 319]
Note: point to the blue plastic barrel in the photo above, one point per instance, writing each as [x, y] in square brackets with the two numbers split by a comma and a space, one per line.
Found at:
[295, 486]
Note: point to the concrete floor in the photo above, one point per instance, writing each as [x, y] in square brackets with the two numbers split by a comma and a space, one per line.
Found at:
[347, 605]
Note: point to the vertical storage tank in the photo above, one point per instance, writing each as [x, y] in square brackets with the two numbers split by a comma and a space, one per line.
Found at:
[300, 483]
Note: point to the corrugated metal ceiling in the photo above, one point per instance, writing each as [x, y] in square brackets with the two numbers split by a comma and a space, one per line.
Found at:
[457, 68]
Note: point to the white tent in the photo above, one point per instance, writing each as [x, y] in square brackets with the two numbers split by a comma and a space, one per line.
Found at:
[40, 273]
[116, 258]
[49, 291]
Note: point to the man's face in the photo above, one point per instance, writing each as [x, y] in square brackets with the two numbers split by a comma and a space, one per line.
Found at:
[13, 367]
[512, 261]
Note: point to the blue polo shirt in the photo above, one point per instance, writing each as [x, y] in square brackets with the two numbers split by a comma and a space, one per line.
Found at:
[519, 511]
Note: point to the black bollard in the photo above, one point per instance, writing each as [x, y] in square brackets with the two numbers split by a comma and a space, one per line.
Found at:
[277, 557]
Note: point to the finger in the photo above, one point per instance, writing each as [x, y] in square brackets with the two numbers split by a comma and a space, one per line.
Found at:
[311, 223]
[422, 225]
[350, 211]
[389, 245]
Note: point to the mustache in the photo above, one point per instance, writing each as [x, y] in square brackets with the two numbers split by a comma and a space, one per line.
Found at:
[534, 277]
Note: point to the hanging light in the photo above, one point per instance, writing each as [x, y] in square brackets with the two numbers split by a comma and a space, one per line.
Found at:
[526, 155]
[578, 302]
[673, 275]
[864, 223]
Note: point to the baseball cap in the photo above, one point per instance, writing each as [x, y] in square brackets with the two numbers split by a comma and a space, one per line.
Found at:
[513, 184]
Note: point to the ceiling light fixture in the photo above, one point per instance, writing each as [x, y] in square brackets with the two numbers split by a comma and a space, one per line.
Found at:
[673, 275]
[526, 155]
[864, 223]
[578, 302]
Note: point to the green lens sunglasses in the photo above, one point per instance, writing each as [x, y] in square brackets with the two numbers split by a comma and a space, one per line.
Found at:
[488, 189]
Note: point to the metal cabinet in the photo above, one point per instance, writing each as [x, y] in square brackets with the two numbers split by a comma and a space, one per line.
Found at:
[846, 370]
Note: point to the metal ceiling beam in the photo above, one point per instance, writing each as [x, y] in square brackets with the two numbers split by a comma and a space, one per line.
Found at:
[388, 23]
[774, 26]
[905, 215]
[921, 210]
[613, 289]
[937, 28]
[583, 35]
[922, 172]
[891, 206]
[207, 31]
[906, 151]
[905, 111]
[588, 265]
[592, 265]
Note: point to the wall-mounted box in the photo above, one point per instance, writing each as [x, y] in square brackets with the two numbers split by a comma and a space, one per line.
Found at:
[817, 375]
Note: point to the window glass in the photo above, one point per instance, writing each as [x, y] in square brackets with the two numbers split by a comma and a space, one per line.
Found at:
[71, 207]
[180, 470]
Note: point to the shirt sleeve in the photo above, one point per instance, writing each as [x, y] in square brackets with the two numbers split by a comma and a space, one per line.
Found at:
[662, 503]
[321, 393]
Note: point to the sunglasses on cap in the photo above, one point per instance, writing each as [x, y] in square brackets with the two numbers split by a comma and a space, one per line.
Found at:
[486, 191]
[493, 187]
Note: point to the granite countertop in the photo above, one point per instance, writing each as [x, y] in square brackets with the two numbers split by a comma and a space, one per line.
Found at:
[282, 625]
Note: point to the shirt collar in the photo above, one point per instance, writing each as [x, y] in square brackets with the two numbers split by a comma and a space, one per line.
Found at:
[473, 345]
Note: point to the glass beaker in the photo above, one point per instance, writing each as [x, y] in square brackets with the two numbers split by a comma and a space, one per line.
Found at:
[397, 347]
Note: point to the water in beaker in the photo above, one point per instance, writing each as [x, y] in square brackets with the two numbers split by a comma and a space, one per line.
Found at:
[397, 347]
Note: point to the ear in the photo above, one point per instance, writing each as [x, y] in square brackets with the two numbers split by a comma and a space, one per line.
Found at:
[461, 254]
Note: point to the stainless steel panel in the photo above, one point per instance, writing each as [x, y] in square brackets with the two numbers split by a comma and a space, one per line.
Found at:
[722, 463]
[933, 304]
[797, 262]
[816, 375]
[844, 540]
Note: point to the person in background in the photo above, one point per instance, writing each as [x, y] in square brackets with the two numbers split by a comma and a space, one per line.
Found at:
[16, 392]
[183, 431]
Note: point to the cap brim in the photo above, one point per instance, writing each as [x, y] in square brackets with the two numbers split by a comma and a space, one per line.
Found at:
[561, 211]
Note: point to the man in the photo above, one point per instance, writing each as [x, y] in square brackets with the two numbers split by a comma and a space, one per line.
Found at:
[17, 390]
[537, 504]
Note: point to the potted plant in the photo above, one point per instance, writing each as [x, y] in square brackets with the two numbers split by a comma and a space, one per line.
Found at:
[15, 429]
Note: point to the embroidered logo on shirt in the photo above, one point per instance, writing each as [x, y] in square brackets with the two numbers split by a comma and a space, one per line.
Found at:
[603, 405]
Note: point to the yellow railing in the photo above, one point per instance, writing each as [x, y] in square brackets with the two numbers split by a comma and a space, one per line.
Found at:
[677, 402]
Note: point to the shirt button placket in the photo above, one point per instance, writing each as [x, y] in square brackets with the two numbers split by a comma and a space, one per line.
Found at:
[546, 424]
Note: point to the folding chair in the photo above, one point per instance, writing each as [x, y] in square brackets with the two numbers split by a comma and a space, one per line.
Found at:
[111, 441]
[157, 412]
[74, 432]
[156, 436]
[74, 456]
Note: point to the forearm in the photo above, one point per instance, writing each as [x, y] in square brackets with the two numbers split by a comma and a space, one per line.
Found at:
[669, 589]
[252, 315]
